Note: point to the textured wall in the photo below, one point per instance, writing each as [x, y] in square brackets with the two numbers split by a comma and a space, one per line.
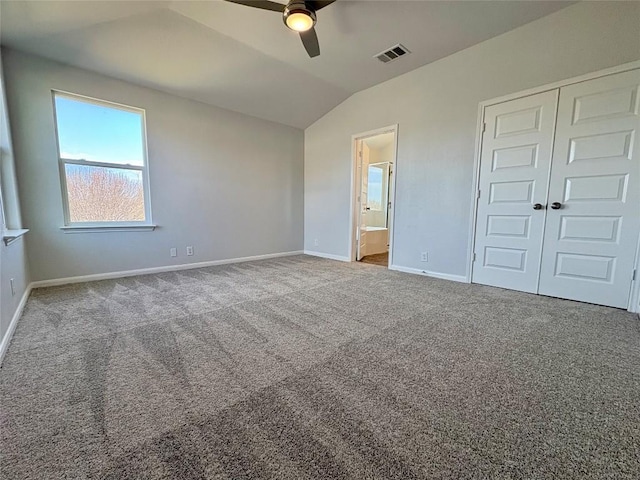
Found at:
[436, 107]
[228, 184]
[13, 258]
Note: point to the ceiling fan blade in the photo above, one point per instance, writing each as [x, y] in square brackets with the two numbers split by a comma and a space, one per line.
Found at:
[261, 4]
[316, 5]
[310, 42]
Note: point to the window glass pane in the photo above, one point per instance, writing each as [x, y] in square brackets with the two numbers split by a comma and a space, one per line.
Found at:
[377, 195]
[98, 133]
[375, 199]
[99, 194]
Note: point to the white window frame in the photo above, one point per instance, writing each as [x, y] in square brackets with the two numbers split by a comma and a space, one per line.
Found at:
[75, 227]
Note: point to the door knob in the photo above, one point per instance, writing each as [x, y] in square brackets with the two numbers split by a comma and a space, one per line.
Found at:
[537, 206]
[556, 205]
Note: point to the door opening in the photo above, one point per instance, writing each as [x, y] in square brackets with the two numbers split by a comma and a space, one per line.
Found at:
[374, 162]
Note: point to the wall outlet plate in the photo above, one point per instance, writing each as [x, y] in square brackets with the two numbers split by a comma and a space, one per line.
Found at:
[424, 257]
[173, 252]
[189, 250]
[316, 243]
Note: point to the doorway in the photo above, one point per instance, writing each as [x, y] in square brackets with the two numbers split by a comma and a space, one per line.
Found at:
[373, 193]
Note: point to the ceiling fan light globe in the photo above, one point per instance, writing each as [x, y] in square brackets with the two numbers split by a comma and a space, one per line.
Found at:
[299, 21]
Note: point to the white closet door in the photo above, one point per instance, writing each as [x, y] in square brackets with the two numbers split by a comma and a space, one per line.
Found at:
[590, 241]
[514, 173]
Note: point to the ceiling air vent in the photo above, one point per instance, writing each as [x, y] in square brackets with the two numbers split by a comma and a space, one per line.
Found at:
[391, 54]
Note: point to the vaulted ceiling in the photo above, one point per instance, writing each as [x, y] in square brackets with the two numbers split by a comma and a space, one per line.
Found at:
[245, 59]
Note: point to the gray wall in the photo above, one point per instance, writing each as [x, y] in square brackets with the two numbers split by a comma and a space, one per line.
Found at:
[436, 107]
[228, 184]
[13, 258]
[13, 264]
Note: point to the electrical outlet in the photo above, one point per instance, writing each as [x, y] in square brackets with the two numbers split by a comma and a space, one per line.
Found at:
[189, 251]
[424, 257]
[316, 242]
[173, 252]
[13, 289]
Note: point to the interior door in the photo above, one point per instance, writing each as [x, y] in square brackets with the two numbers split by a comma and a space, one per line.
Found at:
[514, 171]
[364, 188]
[594, 192]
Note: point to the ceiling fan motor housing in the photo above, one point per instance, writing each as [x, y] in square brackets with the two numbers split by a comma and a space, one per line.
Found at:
[298, 6]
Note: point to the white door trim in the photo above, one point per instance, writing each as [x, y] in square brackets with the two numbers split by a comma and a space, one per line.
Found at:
[634, 299]
[353, 215]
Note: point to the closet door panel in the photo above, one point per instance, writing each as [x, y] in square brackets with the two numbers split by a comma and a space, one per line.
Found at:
[590, 240]
[514, 173]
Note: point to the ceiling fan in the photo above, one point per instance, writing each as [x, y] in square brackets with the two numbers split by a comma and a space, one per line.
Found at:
[298, 15]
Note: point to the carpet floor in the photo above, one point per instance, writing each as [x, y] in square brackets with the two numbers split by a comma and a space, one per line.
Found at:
[380, 259]
[304, 368]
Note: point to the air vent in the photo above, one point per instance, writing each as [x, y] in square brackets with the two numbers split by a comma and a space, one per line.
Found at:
[394, 52]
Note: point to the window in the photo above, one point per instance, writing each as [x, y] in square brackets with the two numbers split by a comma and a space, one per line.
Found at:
[103, 163]
[377, 194]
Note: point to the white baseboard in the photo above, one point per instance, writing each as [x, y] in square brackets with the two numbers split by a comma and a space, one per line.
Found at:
[426, 273]
[330, 256]
[145, 271]
[6, 340]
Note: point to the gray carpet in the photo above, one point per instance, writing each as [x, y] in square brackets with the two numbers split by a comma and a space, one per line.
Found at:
[303, 368]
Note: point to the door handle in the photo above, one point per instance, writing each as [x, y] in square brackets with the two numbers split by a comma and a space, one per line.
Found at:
[556, 205]
[538, 206]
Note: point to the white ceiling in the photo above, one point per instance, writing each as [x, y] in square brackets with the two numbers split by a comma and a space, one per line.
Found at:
[245, 59]
[380, 141]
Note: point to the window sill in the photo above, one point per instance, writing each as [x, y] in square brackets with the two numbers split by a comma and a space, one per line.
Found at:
[108, 228]
[10, 236]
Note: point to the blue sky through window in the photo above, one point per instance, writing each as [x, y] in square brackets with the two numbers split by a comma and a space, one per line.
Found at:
[98, 133]
[375, 184]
